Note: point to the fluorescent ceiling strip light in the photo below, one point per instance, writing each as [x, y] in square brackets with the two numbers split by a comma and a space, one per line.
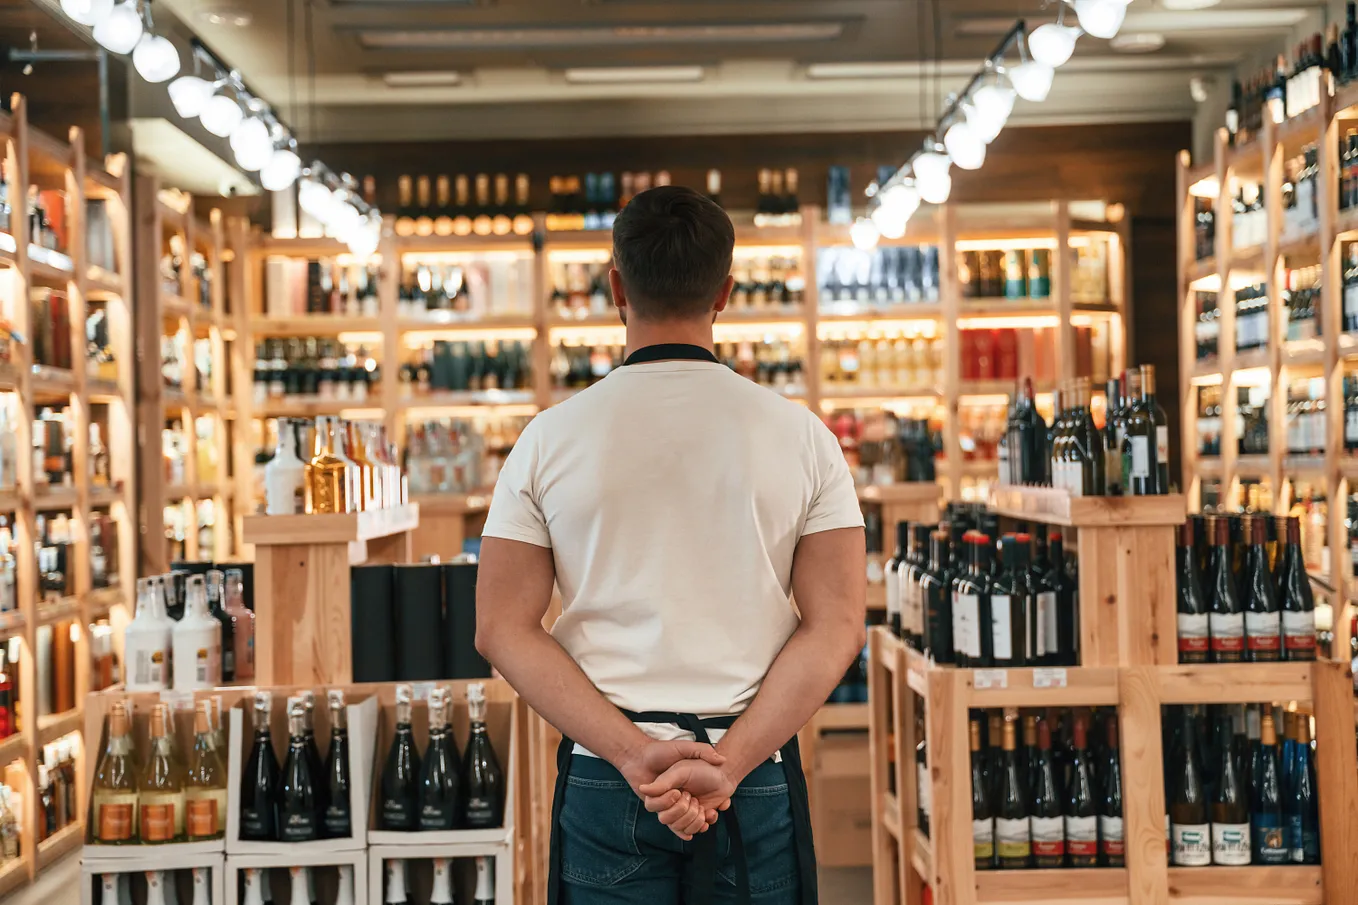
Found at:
[596, 36]
[421, 79]
[884, 70]
[612, 75]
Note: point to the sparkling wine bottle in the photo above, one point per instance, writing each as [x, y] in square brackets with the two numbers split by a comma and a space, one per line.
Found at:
[338, 817]
[482, 779]
[439, 769]
[442, 893]
[400, 775]
[298, 814]
[485, 881]
[260, 781]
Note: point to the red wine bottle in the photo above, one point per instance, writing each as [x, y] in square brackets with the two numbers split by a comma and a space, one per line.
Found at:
[1112, 839]
[982, 815]
[1263, 624]
[1194, 644]
[1048, 822]
[1012, 834]
[1226, 621]
[1297, 603]
[1082, 821]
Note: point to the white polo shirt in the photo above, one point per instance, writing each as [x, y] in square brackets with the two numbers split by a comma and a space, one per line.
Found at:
[672, 495]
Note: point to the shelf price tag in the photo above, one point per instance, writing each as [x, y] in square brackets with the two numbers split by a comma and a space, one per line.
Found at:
[178, 700]
[990, 678]
[420, 690]
[1049, 677]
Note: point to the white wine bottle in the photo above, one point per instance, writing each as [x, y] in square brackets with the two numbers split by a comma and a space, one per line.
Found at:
[115, 783]
[201, 894]
[205, 784]
[396, 883]
[301, 886]
[155, 887]
[161, 796]
[108, 889]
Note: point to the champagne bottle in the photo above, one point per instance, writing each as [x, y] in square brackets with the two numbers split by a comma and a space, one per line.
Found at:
[442, 893]
[205, 783]
[439, 769]
[1012, 833]
[155, 887]
[338, 811]
[308, 699]
[1298, 604]
[1082, 832]
[344, 893]
[115, 783]
[982, 815]
[1230, 813]
[202, 895]
[396, 883]
[256, 879]
[300, 893]
[1194, 646]
[483, 781]
[161, 796]
[1046, 820]
[298, 811]
[1263, 625]
[1302, 811]
[1191, 833]
[484, 894]
[1112, 838]
[1266, 806]
[108, 889]
[260, 781]
[400, 775]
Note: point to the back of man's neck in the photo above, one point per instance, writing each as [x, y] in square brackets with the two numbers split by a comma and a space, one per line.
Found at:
[642, 334]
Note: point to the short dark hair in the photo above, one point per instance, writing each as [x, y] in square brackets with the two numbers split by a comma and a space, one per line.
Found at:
[672, 247]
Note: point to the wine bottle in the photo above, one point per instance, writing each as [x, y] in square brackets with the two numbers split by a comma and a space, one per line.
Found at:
[1229, 812]
[892, 572]
[146, 644]
[1191, 832]
[197, 643]
[1194, 646]
[971, 605]
[205, 783]
[405, 210]
[982, 815]
[1082, 821]
[1046, 820]
[1226, 621]
[1295, 598]
[156, 887]
[300, 892]
[923, 781]
[442, 892]
[1012, 834]
[161, 786]
[344, 892]
[1112, 838]
[935, 586]
[298, 811]
[1009, 608]
[260, 781]
[1302, 806]
[308, 699]
[400, 774]
[484, 894]
[443, 201]
[1267, 833]
[202, 894]
[1061, 617]
[108, 889]
[242, 624]
[483, 781]
[115, 783]
[256, 879]
[439, 769]
[913, 615]
[214, 583]
[338, 809]
[396, 883]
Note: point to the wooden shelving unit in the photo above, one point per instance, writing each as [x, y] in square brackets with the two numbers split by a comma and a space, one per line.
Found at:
[196, 309]
[1129, 660]
[34, 159]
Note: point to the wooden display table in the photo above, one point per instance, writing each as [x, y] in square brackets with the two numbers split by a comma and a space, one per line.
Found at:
[303, 633]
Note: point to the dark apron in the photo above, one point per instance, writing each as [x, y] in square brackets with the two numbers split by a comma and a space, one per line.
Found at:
[706, 858]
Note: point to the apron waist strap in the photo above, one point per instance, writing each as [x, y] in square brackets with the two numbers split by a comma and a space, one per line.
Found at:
[682, 720]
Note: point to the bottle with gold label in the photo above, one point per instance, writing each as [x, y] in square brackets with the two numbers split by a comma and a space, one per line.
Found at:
[364, 482]
[115, 784]
[205, 784]
[161, 798]
[327, 474]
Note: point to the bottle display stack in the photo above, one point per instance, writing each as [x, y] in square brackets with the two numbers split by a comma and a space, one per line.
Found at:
[67, 485]
[1106, 745]
[188, 395]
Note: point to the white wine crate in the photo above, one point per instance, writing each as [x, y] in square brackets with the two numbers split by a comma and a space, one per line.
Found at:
[323, 863]
[177, 865]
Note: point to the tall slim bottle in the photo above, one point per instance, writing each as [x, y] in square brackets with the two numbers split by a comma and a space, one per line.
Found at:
[344, 894]
[1009, 608]
[260, 780]
[483, 782]
[308, 699]
[205, 783]
[1263, 625]
[202, 894]
[439, 769]
[442, 893]
[1226, 621]
[156, 888]
[1230, 813]
[327, 472]
[197, 643]
[1191, 831]
[299, 817]
[1194, 634]
[161, 787]
[1047, 821]
[216, 606]
[982, 814]
[285, 474]
[115, 783]
[147, 644]
[1302, 805]
[935, 588]
[256, 878]
[400, 776]
[242, 625]
[338, 811]
[1298, 604]
[1013, 839]
[892, 574]
[1082, 819]
[484, 894]
[396, 883]
[1112, 838]
[301, 882]
[1267, 832]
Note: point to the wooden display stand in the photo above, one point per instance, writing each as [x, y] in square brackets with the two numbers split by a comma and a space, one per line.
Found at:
[302, 619]
[1129, 660]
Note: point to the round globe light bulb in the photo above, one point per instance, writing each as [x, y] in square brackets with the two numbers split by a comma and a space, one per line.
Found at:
[928, 167]
[189, 94]
[965, 146]
[890, 221]
[365, 239]
[864, 234]
[155, 58]
[314, 198]
[1032, 80]
[1101, 18]
[87, 12]
[937, 190]
[121, 29]
[251, 144]
[281, 171]
[1052, 44]
[221, 115]
[990, 109]
[903, 198]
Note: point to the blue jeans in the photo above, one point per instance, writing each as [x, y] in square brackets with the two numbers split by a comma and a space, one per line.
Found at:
[615, 852]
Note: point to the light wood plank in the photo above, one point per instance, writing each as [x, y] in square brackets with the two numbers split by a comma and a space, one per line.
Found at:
[1282, 885]
[1143, 786]
[949, 753]
[1235, 683]
[1336, 777]
[1059, 507]
[1088, 686]
[1105, 886]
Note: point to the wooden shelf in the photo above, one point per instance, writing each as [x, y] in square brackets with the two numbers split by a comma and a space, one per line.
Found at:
[12, 748]
[1096, 886]
[12, 623]
[55, 725]
[1059, 507]
[101, 283]
[52, 382]
[1235, 683]
[313, 325]
[1201, 270]
[13, 875]
[101, 600]
[103, 390]
[459, 323]
[60, 843]
[9, 500]
[833, 312]
[47, 498]
[452, 503]
[105, 496]
[919, 492]
[1042, 686]
[175, 306]
[50, 612]
[450, 398]
[841, 716]
[330, 529]
[1279, 885]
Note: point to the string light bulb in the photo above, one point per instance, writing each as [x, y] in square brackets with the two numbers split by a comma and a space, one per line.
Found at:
[965, 145]
[155, 58]
[1101, 18]
[989, 110]
[221, 115]
[1032, 80]
[121, 29]
[864, 234]
[281, 171]
[87, 12]
[1053, 43]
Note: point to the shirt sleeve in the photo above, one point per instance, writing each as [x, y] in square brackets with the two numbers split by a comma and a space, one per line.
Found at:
[515, 512]
[834, 501]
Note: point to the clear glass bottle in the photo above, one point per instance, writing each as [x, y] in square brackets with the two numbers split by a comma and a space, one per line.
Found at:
[147, 643]
[205, 783]
[161, 795]
[284, 475]
[114, 790]
[327, 473]
[242, 625]
[197, 642]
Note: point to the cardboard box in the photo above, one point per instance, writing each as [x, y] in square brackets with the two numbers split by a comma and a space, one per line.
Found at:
[841, 801]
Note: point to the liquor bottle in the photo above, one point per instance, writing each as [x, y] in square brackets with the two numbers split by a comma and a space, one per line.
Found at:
[260, 781]
[1263, 626]
[1229, 812]
[1046, 820]
[344, 893]
[115, 783]
[1013, 841]
[242, 625]
[400, 775]
[197, 643]
[1081, 812]
[982, 815]
[147, 643]
[935, 586]
[923, 781]
[1300, 809]
[482, 225]
[1112, 839]
[326, 474]
[161, 785]
[299, 817]
[892, 575]
[484, 894]
[396, 883]
[338, 810]
[971, 604]
[205, 782]
[439, 769]
[405, 212]
[1011, 606]
[1267, 833]
[1295, 598]
[1226, 620]
[214, 583]
[483, 781]
[1194, 646]
[1188, 804]
[284, 475]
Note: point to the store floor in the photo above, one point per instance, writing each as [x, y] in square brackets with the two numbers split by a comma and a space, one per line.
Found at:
[60, 885]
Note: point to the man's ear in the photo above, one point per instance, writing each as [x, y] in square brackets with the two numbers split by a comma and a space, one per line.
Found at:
[615, 284]
[724, 295]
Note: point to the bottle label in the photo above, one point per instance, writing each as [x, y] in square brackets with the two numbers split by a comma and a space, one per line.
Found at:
[1046, 623]
[115, 819]
[337, 822]
[1270, 843]
[396, 815]
[1299, 633]
[297, 827]
[1141, 457]
[1303, 845]
[1193, 633]
[967, 624]
[1161, 445]
[983, 839]
[202, 665]
[436, 817]
[1192, 845]
[923, 789]
[1001, 624]
[1011, 836]
[1231, 843]
[1082, 836]
[480, 812]
[893, 594]
[157, 822]
[1263, 632]
[1112, 842]
[1228, 632]
[148, 669]
[204, 813]
[1049, 836]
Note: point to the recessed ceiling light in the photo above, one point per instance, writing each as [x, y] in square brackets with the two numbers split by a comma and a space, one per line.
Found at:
[1138, 42]
[607, 75]
[226, 15]
[1188, 4]
[421, 79]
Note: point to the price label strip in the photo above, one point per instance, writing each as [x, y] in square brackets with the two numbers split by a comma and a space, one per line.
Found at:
[1049, 677]
[990, 678]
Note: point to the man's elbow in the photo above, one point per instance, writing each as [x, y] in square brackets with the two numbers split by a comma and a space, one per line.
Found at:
[488, 639]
